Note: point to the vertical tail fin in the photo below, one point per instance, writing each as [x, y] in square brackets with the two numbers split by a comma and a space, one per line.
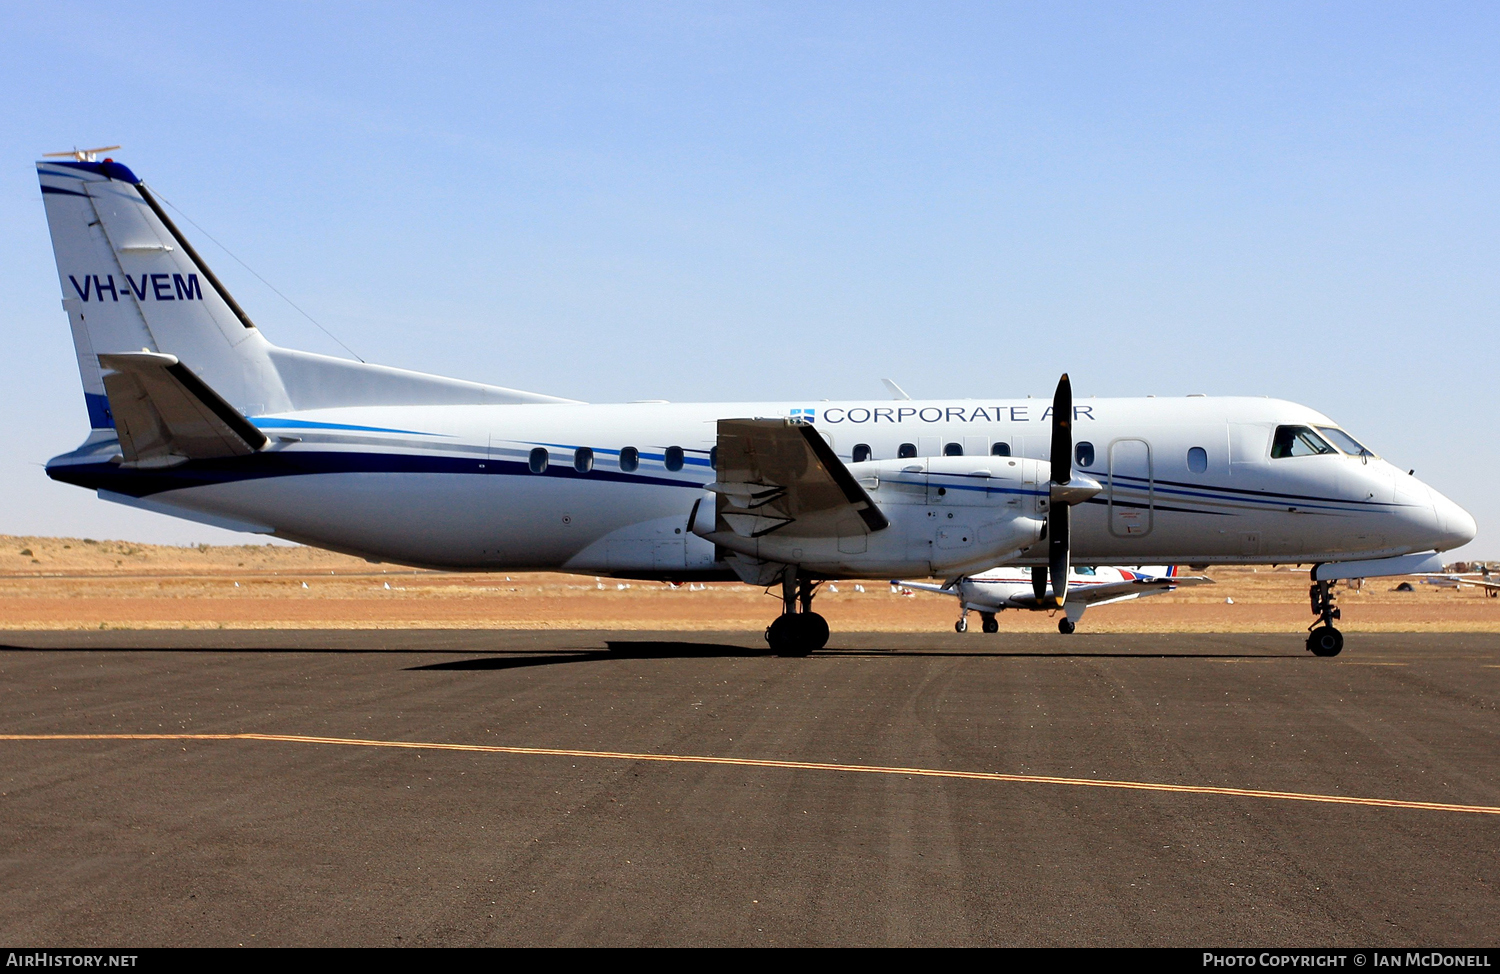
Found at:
[130, 282]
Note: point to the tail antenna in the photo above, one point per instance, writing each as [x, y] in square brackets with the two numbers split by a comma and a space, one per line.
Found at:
[81, 155]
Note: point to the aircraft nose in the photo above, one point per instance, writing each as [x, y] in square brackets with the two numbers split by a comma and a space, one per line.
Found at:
[1455, 524]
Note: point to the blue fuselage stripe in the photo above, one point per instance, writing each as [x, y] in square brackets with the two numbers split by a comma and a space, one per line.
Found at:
[301, 463]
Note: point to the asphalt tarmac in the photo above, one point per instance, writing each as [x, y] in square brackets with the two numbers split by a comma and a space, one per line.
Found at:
[672, 789]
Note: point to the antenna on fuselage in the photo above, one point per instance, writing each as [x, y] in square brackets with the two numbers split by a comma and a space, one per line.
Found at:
[81, 155]
[897, 392]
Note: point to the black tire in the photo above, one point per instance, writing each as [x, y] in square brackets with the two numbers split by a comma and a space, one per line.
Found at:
[990, 625]
[961, 625]
[1325, 641]
[1065, 626]
[781, 634]
[797, 635]
[814, 631]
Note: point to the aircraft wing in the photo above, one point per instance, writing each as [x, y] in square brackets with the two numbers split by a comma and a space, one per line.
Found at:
[925, 587]
[1461, 579]
[166, 415]
[1131, 589]
[773, 473]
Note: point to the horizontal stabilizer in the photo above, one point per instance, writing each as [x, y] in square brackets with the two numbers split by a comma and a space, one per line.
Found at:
[166, 415]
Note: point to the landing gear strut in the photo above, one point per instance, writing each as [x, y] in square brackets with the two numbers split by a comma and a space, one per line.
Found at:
[798, 630]
[1323, 639]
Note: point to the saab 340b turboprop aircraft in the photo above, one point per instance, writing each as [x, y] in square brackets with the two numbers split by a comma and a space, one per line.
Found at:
[194, 413]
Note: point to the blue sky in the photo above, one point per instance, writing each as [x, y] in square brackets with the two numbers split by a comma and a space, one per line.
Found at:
[764, 200]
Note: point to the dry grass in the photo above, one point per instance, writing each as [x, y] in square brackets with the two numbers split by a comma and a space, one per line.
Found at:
[72, 583]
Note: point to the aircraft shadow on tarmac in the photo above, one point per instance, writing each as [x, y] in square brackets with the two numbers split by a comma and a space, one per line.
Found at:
[660, 649]
[617, 650]
[644, 649]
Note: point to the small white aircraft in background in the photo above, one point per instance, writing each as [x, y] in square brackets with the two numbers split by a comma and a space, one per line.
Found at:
[1480, 579]
[1011, 588]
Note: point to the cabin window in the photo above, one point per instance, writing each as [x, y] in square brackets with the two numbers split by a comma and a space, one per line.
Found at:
[1298, 441]
[672, 460]
[906, 451]
[1084, 570]
[1001, 449]
[1197, 459]
[953, 449]
[630, 459]
[713, 458]
[538, 460]
[583, 459]
[1083, 454]
[862, 452]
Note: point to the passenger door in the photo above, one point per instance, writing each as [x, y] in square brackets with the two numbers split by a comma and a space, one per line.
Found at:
[1131, 489]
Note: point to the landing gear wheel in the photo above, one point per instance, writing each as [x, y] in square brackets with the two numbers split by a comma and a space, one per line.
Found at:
[961, 625]
[1065, 626]
[1325, 641]
[814, 631]
[989, 624]
[781, 634]
[797, 634]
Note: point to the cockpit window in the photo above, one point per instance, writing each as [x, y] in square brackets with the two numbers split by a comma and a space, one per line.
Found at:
[1298, 441]
[1345, 442]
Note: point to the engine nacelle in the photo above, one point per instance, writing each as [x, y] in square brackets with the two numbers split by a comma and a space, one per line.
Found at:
[948, 516]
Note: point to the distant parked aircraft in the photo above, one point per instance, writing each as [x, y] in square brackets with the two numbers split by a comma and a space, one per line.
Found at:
[1009, 588]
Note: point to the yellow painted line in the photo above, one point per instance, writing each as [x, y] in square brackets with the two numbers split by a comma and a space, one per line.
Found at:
[561, 752]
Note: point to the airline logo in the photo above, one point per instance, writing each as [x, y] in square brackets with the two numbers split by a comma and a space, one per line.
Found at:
[154, 287]
[806, 415]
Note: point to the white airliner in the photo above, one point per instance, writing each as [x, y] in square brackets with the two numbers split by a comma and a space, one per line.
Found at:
[1012, 588]
[194, 413]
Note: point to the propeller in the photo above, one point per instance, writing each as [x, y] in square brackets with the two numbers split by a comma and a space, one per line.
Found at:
[1058, 552]
[1065, 490]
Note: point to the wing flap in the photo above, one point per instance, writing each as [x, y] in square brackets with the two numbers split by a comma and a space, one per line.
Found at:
[779, 474]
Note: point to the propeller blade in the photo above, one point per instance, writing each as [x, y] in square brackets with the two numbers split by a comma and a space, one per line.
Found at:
[1058, 554]
[1039, 581]
[1062, 432]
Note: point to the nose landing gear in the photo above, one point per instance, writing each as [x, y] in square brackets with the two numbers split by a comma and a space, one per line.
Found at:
[799, 630]
[1323, 639]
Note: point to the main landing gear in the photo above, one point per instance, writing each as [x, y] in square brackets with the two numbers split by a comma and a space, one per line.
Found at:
[986, 622]
[1323, 639]
[799, 630]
